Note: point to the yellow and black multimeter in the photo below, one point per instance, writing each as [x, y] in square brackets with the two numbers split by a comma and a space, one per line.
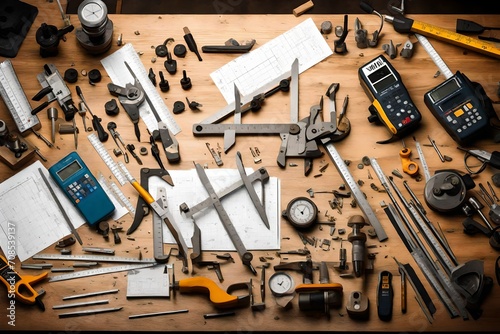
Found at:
[391, 102]
[81, 187]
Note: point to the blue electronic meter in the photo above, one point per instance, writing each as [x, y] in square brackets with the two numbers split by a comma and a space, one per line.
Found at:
[82, 188]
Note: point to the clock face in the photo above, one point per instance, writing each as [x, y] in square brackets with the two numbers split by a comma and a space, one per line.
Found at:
[93, 12]
[301, 212]
[281, 283]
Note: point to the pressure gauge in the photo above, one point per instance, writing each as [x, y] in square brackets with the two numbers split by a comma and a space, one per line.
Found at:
[281, 284]
[301, 212]
[92, 13]
[96, 32]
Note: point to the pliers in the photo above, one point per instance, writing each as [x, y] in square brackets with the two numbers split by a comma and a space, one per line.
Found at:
[485, 157]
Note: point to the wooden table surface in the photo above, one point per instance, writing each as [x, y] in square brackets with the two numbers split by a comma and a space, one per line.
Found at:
[147, 31]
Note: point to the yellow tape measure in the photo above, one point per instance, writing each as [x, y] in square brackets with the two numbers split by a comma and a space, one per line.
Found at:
[405, 25]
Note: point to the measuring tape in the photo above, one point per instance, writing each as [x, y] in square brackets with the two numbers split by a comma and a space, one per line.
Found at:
[356, 191]
[405, 25]
[98, 271]
[92, 258]
[454, 38]
[434, 56]
[112, 165]
[114, 65]
[14, 97]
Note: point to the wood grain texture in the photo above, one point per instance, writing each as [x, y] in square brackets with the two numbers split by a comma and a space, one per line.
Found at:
[152, 30]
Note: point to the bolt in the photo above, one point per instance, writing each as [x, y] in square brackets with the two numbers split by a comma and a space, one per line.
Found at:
[185, 81]
[52, 114]
[164, 86]
[115, 229]
[358, 239]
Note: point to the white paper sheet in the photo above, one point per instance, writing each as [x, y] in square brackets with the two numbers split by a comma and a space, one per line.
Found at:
[254, 72]
[252, 231]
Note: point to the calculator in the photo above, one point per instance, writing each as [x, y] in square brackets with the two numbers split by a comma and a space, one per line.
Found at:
[81, 187]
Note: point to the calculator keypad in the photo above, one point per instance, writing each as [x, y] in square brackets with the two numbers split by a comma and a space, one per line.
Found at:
[80, 189]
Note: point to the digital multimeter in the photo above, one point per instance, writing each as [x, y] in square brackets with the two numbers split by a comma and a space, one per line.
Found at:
[391, 103]
[459, 108]
[81, 187]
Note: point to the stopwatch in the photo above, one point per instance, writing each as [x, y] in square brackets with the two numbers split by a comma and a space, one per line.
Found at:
[301, 212]
[281, 284]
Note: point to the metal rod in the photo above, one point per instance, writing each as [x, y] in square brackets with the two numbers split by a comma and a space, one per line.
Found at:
[144, 315]
[90, 294]
[61, 208]
[96, 302]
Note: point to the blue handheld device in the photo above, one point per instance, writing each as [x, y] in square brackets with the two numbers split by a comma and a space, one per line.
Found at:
[82, 188]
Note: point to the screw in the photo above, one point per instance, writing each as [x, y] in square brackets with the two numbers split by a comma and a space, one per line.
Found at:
[164, 86]
[185, 81]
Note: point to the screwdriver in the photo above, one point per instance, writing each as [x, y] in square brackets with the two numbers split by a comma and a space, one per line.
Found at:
[96, 121]
[188, 37]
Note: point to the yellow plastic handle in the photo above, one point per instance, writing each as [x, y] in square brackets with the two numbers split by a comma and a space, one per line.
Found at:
[319, 287]
[143, 192]
[22, 285]
[219, 297]
[409, 167]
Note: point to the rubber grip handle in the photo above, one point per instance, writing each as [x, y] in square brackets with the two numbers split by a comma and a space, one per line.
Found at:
[218, 297]
[22, 285]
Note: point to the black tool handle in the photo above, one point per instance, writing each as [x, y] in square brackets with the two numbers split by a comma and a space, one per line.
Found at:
[385, 296]
[101, 133]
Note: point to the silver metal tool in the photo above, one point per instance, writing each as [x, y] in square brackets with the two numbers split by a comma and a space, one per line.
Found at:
[159, 253]
[61, 208]
[52, 114]
[356, 191]
[90, 294]
[258, 203]
[103, 153]
[166, 216]
[98, 271]
[145, 315]
[82, 111]
[421, 156]
[89, 257]
[118, 140]
[89, 312]
[260, 174]
[15, 99]
[246, 257]
[464, 283]
[94, 302]
[168, 140]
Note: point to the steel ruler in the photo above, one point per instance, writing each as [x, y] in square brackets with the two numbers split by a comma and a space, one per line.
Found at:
[356, 191]
[434, 56]
[114, 65]
[92, 258]
[425, 167]
[15, 98]
[108, 160]
[98, 271]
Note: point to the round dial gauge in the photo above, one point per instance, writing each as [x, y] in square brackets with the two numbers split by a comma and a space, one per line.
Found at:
[301, 212]
[281, 284]
[92, 13]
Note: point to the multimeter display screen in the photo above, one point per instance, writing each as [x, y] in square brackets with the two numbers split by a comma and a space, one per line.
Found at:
[445, 90]
[69, 170]
[382, 78]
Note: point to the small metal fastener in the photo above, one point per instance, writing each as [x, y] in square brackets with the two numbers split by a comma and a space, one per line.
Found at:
[143, 150]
